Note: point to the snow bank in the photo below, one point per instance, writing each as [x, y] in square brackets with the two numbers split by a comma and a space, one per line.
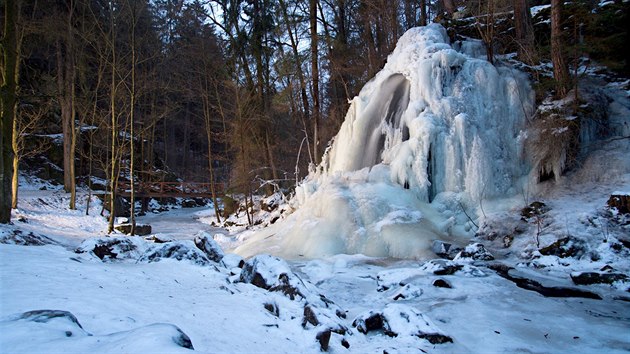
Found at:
[436, 129]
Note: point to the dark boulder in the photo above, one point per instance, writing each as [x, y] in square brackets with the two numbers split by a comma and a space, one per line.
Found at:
[441, 267]
[441, 283]
[139, 229]
[535, 209]
[620, 202]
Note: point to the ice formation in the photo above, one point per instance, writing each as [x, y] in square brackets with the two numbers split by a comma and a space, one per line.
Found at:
[434, 132]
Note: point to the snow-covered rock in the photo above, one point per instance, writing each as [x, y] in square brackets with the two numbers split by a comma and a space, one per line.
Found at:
[400, 320]
[208, 245]
[178, 250]
[110, 248]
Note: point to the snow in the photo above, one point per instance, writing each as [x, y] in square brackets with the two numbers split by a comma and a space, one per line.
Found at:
[130, 305]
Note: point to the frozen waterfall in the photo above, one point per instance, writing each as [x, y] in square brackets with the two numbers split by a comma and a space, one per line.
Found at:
[434, 130]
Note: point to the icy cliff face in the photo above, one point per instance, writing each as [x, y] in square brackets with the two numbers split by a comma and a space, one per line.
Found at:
[434, 132]
[441, 120]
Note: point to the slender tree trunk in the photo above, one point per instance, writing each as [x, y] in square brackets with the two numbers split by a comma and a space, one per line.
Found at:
[423, 12]
[16, 164]
[315, 73]
[560, 70]
[8, 95]
[524, 32]
[66, 87]
[132, 212]
[113, 175]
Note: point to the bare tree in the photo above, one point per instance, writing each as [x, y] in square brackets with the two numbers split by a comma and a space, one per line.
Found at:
[560, 69]
[524, 32]
[8, 102]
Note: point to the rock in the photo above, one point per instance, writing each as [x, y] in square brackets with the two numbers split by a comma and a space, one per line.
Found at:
[323, 338]
[620, 202]
[400, 320]
[474, 252]
[273, 308]
[441, 267]
[209, 246]
[271, 273]
[345, 343]
[324, 317]
[533, 285]
[159, 239]
[588, 278]
[445, 249]
[139, 230]
[534, 209]
[44, 316]
[18, 237]
[231, 261]
[180, 250]
[441, 283]
[408, 291]
[108, 248]
[565, 247]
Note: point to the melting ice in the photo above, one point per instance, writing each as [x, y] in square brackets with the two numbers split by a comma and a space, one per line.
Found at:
[432, 134]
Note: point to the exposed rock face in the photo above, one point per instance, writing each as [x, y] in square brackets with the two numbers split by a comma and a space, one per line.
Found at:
[441, 267]
[208, 245]
[400, 320]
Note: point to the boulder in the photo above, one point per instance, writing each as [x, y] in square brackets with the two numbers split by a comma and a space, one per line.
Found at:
[18, 237]
[620, 201]
[406, 292]
[445, 249]
[566, 247]
[441, 267]
[588, 278]
[441, 283]
[109, 248]
[534, 209]
[209, 246]
[400, 320]
[273, 274]
[474, 252]
[139, 229]
[179, 250]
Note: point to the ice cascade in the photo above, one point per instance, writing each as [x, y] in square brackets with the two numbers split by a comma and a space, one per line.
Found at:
[434, 130]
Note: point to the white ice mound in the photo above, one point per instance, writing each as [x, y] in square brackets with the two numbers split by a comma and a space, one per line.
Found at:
[441, 120]
[433, 132]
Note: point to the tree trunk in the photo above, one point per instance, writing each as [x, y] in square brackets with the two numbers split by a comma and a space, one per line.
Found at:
[524, 32]
[8, 95]
[66, 88]
[560, 70]
[315, 73]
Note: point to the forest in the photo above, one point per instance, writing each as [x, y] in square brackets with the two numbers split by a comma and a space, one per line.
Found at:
[242, 94]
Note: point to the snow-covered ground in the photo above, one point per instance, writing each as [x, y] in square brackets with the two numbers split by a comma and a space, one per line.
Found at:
[134, 305]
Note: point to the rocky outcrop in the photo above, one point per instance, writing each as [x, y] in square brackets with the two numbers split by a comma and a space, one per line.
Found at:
[209, 246]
